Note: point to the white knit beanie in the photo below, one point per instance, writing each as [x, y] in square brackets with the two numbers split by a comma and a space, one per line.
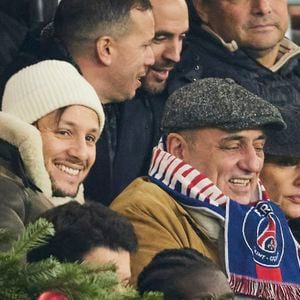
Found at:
[39, 89]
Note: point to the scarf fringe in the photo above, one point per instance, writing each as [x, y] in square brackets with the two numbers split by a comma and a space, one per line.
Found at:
[267, 290]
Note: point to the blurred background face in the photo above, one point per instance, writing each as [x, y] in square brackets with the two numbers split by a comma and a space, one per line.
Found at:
[69, 147]
[257, 25]
[208, 284]
[171, 24]
[282, 182]
[103, 255]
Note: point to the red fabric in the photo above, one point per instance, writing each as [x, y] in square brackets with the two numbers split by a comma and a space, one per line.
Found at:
[268, 273]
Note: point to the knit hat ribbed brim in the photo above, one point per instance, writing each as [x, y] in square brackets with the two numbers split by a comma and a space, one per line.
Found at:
[218, 103]
[42, 88]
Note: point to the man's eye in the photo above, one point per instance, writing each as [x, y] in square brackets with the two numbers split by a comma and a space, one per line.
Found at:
[91, 138]
[64, 132]
[259, 149]
[159, 38]
[231, 147]
[183, 36]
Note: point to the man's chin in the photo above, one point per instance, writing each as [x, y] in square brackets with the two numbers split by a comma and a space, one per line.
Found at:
[59, 192]
[154, 87]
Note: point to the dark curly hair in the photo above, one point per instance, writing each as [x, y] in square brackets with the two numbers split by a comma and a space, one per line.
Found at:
[79, 228]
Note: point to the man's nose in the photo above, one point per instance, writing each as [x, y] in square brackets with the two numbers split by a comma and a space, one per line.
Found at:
[250, 161]
[261, 7]
[78, 148]
[173, 51]
[149, 57]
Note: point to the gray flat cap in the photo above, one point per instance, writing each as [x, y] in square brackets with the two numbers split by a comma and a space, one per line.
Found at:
[218, 103]
[286, 142]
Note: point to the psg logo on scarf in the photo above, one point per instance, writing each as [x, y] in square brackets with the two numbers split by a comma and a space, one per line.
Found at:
[261, 254]
[266, 242]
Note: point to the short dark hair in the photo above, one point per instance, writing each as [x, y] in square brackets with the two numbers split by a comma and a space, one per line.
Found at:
[170, 268]
[76, 20]
[80, 228]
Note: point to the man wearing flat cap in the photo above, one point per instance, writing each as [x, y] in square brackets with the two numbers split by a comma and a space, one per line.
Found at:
[203, 190]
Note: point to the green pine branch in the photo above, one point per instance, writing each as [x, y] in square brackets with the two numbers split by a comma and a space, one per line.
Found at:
[26, 281]
[34, 236]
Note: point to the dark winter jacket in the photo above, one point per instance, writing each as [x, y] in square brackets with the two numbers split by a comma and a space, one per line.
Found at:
[206, 55]
[124, 150]
[24, 182]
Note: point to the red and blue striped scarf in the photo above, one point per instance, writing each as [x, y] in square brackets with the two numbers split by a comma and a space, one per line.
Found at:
[261, 255]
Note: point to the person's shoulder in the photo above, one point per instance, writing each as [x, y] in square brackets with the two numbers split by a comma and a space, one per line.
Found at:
[13, 195]
[25, 202]
[142, 194]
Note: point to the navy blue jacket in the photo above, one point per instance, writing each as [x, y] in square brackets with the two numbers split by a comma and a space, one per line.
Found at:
[206, 56]
[124, 151]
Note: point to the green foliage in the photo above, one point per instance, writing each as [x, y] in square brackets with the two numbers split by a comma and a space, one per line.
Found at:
[26, 281]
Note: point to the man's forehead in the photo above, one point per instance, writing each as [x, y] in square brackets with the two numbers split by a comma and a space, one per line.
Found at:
[170, 13]
[243, 134]
[223, 134]
[137, 18]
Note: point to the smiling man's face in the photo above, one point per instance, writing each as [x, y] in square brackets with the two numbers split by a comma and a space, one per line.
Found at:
[69, 147]
[256, 25]
[171, 25]
[231, 160]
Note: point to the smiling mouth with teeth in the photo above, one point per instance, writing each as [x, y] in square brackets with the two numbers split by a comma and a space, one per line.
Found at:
[68, 170]
[240, 181]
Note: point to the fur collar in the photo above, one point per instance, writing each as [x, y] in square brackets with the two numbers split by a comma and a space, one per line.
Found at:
[29, 143]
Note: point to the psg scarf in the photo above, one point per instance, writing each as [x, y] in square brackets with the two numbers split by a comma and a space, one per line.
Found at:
[261, 255]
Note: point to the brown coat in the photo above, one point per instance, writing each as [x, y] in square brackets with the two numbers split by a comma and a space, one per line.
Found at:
[159, 222]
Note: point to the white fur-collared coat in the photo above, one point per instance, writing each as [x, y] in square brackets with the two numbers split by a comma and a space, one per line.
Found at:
[25, 186]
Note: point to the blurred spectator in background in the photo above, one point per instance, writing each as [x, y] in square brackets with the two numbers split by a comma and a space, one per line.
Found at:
[242, 40]
[281, 171]
[17, 18]
[184, 274]
[30, 13]
[90, 233]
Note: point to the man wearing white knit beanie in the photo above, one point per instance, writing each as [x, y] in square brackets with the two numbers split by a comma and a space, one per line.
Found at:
[49, 126]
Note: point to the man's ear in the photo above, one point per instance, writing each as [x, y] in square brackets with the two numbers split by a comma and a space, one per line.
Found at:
[201, 10]
[176, 145]
[104, 47]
